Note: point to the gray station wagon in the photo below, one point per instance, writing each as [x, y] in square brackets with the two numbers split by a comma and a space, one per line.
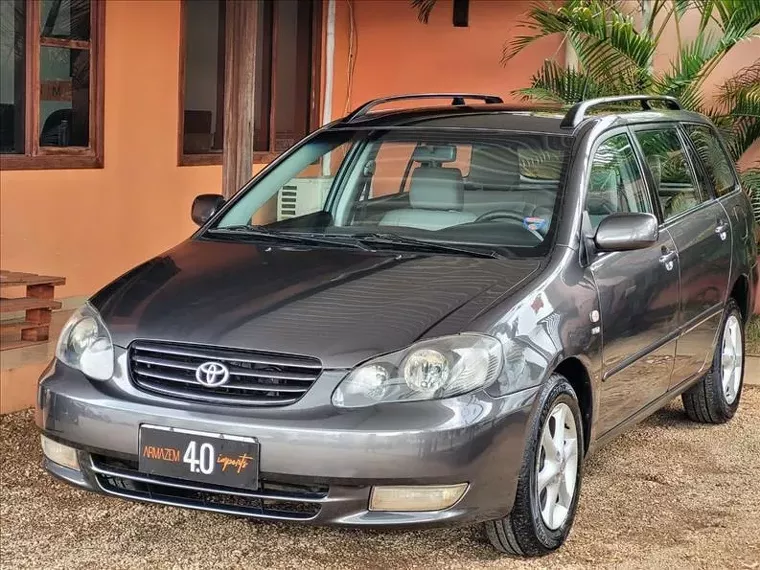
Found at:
[418, 316]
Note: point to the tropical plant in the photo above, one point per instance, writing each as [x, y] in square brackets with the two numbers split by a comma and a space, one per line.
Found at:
[615, 42]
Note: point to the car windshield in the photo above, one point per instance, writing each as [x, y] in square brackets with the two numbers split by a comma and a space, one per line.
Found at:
[402, 188]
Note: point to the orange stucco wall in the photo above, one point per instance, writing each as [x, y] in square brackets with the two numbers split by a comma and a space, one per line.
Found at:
[395, 53]
[91, 225]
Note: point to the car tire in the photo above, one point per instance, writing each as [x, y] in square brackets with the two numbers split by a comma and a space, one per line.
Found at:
[715, 398]
[525, 531]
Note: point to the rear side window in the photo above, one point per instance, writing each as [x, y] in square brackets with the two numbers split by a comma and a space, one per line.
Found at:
[675, 182]
[616, 183]
[716, 162]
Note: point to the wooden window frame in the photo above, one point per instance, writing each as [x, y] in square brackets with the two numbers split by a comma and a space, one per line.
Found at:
[36, 157]
[259, 157]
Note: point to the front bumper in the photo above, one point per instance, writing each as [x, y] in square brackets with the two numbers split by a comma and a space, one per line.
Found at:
[324, 461]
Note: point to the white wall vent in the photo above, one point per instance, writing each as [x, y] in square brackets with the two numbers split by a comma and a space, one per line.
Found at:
[302, 196]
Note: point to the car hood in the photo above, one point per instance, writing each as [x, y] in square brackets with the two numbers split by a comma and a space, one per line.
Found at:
[339, 305]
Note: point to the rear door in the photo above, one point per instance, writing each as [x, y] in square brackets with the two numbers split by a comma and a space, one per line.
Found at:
[701, 231]
[638, 290]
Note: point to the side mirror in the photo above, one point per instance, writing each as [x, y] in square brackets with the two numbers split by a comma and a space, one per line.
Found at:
[627, 231]
[205, 206]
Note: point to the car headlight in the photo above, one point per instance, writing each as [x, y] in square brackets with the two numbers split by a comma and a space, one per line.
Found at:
[85, 344]
[428, 370]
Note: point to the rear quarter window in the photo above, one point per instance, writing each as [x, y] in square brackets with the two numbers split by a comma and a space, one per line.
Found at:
[712, 155]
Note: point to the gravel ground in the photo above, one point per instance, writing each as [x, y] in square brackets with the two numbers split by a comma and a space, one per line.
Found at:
[669, 494]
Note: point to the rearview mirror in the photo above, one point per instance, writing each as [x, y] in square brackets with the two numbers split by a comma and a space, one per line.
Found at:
[627, 231]
[205, 206]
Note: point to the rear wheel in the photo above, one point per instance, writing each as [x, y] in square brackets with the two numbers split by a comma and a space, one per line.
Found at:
[715, 399]
[550, 478]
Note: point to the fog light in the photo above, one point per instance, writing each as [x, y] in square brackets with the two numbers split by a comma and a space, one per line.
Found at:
[415, 498]
[59, 453]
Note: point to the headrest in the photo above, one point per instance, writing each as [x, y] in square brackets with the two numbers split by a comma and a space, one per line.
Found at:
[434, 188]
[435, 153]
[494, 167]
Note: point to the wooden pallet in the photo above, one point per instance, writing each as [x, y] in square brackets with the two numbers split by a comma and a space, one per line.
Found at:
[37, 306]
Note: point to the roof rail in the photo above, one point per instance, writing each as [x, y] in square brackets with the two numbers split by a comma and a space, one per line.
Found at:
[456, 99]
[577, 112]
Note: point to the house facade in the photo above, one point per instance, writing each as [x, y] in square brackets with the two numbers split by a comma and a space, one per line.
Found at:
[89, 208]
[115, 114]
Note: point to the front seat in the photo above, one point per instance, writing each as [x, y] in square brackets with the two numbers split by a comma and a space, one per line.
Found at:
[436, 194]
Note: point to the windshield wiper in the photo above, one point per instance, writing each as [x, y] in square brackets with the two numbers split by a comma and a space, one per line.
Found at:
[363, 241]
[415, 243]
[292, 237]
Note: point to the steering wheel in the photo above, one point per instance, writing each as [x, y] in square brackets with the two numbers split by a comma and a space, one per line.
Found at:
[500, 214]
[509, 215]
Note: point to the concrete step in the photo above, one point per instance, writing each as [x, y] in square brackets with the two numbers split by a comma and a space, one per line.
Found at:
[752, 370]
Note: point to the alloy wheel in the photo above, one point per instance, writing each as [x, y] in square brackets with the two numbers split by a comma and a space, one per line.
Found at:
[732, 359]
[557, 466]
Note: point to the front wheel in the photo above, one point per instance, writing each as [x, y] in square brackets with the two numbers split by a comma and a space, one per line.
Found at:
[549, 482]
[715, 398]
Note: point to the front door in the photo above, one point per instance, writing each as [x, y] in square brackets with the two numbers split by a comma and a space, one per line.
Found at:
[638, 290]
[700, 228]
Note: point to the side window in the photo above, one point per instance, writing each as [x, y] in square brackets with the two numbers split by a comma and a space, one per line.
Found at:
[716, 162]
[616, 183]
[676, 185]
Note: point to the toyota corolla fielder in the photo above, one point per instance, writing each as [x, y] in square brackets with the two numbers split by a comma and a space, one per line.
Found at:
[418, 317]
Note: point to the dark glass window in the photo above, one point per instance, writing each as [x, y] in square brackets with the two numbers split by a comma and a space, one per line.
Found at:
[12, 75]
[283, 70]
[203, 120]
[291, 72]
[64, 73]
[65, 19]
[717, 164]
[616, 183]
[677, 186]
[59, 60]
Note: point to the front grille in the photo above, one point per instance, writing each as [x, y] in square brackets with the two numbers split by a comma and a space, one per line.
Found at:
[256, 378]
[272, 500]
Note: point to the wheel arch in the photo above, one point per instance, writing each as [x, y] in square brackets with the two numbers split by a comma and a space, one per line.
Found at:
[741, 294]
[577, 374]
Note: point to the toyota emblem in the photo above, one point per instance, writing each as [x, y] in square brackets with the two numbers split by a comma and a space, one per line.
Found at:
[212, 374]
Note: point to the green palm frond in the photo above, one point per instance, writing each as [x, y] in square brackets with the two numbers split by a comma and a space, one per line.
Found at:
[681, 6]
[734, 17]
[557, 84]
[751, 180]
[424, 9]
[746, 81]
[543, 19]
[615, 56]
[686, 67]
[739, 112]
[603, 36]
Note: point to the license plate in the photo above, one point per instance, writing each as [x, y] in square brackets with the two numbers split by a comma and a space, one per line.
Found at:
[217, 459]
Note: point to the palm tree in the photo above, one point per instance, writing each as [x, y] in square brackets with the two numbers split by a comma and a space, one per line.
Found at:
[615, 42]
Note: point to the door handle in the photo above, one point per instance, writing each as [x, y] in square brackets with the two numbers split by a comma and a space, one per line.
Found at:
[668, 257]
[722, 229]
